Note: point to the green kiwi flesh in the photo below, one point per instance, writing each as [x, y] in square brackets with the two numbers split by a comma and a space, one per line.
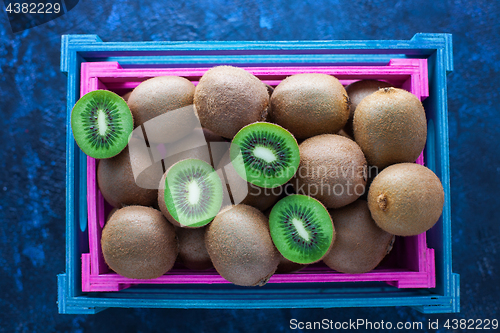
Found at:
[192, 251]
[190, 194]
[101, 122]
[118, 186]
[265, 154]
[310, 104]
[240, 246]
[390, 127]
[356, 92]
[228, 98]
[332, 169]
[360, 245]
[406, 199]
[301, 229]
[138, 242]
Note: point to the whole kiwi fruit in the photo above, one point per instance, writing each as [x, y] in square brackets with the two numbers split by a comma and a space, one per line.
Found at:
[406, 199]
[310, 104]
[192, 251]
[118, 185]
[240, 246]
[138, 242]
[356, 92]
[228, 98]
[159, 96]
[360, 244]
[332, 169]
[390, 127]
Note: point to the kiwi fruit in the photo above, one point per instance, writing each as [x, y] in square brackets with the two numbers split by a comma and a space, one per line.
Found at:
[301, 228]
[356, 92]
[137, 242]
[190, 193]
[240, 246]
[265, 154]
[310, 104]
[406, 199]
[360, 245]
[169, 101]
[228, 98]
[119, 186]
[332, 169]
[390, 127]
[192, 251]
[101, 122]
[286, 266]
[155, 96]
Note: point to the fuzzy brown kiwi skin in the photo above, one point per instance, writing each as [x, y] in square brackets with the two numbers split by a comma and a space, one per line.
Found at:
[360, 244]
[406, 199]
[118, 185]
[310, 104]
[192, 251]
[390, 127]
[158, 95]
[229, 98]
[137, 242]
[209, 153]
[332, 169]
[240, 246]
[356, 92]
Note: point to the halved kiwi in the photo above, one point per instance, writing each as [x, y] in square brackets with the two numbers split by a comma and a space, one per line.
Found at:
[190, 193]
[101, 122]
[265, 154]
[138, 242]
[301, 229]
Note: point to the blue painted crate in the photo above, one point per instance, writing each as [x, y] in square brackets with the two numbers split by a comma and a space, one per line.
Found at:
[436, 48]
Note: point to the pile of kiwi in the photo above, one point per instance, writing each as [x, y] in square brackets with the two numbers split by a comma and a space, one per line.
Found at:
[305, 172]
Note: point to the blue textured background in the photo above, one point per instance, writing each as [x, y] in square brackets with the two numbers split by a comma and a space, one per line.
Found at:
[32, 157]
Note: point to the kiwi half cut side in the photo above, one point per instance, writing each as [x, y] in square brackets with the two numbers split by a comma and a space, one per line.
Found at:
[192, 193]
[265, 154]
[101, 122]
[301, 228]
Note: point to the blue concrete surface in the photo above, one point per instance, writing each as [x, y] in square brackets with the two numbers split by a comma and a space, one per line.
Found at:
[32, 156]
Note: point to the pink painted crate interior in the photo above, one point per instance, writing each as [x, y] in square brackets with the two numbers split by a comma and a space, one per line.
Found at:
[410, 264]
